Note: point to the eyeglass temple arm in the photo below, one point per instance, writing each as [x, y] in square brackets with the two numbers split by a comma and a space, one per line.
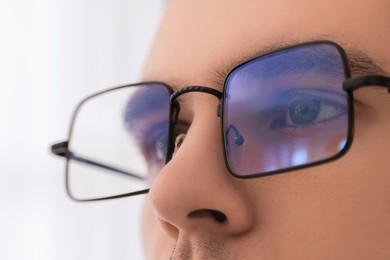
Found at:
[352, 84]
[61, 149]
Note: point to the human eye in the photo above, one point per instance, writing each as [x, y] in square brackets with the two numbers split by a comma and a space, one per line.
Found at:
[156, 140]
[299, 109]
[155, 144]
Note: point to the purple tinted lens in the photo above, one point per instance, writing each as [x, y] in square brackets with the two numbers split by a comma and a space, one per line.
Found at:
[286, 110]
[146, 118]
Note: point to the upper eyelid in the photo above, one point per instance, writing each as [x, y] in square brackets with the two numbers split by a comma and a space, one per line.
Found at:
[362, 64]
[331, 97]
[317, 93]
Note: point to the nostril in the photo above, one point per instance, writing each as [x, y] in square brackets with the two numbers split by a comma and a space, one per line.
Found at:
[215, 214]
[218, 216]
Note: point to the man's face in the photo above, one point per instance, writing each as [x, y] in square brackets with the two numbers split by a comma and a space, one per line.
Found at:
[338, 210]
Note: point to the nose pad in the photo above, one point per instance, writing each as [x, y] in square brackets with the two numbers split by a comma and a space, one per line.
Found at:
[178, 142]
[235, 147]
[237, 138]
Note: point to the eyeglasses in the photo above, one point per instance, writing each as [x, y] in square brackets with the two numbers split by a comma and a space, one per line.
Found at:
[286, 110]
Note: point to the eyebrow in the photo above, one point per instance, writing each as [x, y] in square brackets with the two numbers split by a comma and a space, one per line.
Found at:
[359, 62]
[362, 64]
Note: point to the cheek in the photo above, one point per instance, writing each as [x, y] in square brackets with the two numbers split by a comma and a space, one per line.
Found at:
[157, 244]
[371, 144]
[332, 211]
[340, 209]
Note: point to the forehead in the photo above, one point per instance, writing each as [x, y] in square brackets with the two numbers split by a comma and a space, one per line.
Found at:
[197, 37]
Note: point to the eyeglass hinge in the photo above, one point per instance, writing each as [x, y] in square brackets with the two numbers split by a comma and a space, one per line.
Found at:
[352, 84]
[60, 149]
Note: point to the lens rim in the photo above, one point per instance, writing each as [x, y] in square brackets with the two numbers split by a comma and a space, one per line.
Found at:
[350, 111]
[70, 134]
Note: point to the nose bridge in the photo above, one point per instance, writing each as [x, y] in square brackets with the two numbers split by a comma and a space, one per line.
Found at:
[194, 191]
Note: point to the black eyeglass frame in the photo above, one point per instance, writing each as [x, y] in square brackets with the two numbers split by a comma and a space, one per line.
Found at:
[349, 85]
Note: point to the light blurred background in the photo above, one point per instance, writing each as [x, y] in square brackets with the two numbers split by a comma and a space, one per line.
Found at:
[52, 54]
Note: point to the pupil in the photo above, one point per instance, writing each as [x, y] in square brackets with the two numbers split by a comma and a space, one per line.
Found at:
[304, 111]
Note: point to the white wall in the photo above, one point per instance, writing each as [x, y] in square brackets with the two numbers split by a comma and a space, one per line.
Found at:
[52, 54]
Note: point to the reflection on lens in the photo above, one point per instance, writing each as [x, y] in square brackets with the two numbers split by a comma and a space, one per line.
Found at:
[300, 157]
[290, 107]
[116, 137]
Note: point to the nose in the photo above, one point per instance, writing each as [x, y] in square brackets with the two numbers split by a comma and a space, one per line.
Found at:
[195, 192]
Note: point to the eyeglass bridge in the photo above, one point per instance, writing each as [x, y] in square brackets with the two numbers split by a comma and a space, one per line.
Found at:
[178, 93]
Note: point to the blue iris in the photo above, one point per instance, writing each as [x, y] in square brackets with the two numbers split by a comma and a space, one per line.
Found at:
[304, 111]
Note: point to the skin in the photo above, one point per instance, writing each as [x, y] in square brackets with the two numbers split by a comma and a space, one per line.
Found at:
[338, 210]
